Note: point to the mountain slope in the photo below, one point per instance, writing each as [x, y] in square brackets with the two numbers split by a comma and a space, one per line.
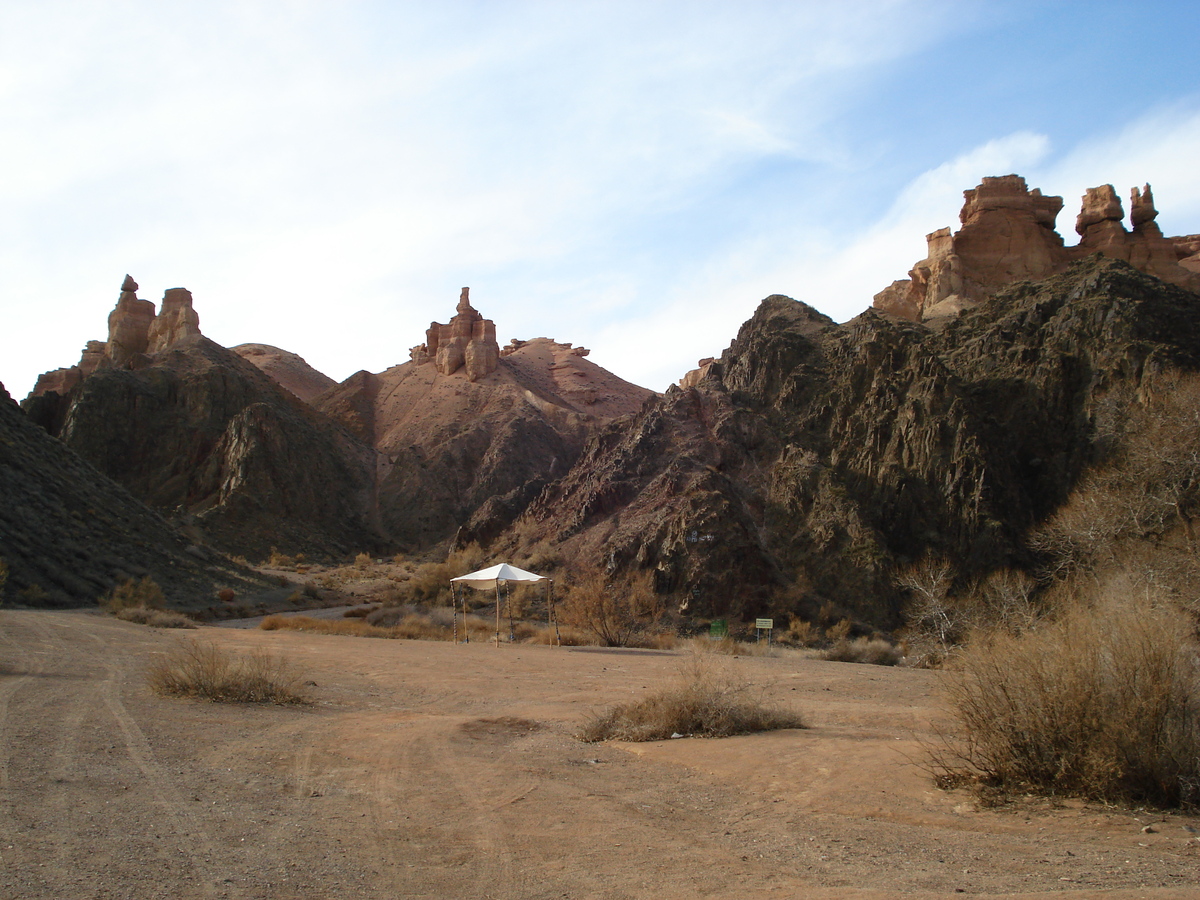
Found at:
[814, 460]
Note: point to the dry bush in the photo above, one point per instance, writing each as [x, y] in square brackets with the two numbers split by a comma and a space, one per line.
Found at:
[3, 579]
[133, 593]
[802, 633]
[614, 613]
[430, 583]
[155, 618]
[1101, 703]
[277, 560]
[204, 670]
[708, 699]
[872, 651]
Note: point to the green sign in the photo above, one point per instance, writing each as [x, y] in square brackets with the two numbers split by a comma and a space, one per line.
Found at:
[718, 629]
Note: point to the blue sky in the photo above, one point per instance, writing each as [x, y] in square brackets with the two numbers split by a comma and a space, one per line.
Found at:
[632, 177]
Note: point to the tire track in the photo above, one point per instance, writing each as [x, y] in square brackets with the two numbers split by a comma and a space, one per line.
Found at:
[190, 841]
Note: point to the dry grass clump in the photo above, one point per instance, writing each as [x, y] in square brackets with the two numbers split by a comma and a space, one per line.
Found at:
[872, 651]
[1100, 703]
[133, 593]
[204, 670]
[155, 618]
[708, 699]
[351, 627]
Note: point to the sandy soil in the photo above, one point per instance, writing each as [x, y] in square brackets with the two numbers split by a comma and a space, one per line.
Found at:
[429, 770]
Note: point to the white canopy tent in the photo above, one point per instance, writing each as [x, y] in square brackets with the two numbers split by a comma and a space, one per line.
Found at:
[492, 578]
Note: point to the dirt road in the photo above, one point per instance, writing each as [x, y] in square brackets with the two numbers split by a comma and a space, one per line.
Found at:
[428, 770]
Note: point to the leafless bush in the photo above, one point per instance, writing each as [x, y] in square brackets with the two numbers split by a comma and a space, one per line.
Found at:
[615, 613]
[1100, 703]
[873, 651]
[204, 670]
[708, 700]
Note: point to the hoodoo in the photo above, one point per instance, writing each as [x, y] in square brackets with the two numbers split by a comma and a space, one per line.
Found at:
[1008, 235]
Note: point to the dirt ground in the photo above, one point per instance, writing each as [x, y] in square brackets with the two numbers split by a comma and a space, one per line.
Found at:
[425, 769]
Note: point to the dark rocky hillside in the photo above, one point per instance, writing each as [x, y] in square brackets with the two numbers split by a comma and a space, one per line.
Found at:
[814, 460]
[68, 534]
[202, 434]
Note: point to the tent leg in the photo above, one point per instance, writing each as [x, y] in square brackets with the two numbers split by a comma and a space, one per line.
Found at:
[454, 610]
[497, 614]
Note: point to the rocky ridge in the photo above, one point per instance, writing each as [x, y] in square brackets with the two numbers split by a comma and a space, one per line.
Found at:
[813, 460]
[196, 431]
[254, 448]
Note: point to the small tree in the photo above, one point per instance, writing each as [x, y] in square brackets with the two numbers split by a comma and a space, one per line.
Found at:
[615, 613]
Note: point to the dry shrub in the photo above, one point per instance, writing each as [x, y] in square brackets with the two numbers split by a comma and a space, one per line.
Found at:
[204, 670]
[155, 618]
[350, 627]
[1101, 703]
[430, 583]
[708, 699]
[277, 560]
[872, 651]
[3, 578]
[133, 593]
[615, 613]
[802, 633]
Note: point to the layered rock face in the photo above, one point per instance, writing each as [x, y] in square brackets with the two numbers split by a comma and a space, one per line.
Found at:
[462, 456]
[812, 460]
[403, 459]
[69, 534]
[206, 436]
[468, 343]
[1008, 235]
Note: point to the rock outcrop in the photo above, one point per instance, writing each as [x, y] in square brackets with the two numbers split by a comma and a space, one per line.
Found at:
[196, 431]
[134, 334]
[175, 323]
[69, 534]
[466, 457]
[1008, 235]
[468, 342]
[813, 460]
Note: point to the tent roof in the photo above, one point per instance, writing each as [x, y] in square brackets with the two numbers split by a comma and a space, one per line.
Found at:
[487, 578]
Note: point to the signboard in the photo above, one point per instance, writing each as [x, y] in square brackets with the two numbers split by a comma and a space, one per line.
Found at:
[764, 624]
[718, 629]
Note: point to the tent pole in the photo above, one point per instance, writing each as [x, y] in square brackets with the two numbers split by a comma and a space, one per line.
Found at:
[512, 637]
[497, 614]
[454, 609]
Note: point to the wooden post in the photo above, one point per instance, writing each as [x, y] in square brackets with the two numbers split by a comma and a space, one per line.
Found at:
[497, 613]
[454, 609]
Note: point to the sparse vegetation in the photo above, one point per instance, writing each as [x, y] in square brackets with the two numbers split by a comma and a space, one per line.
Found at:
[134, 594]
[615, 613]
[708, 700]
[3, 579]
[872, 651]
[202, 669]
[155, 618]
[1098, 703]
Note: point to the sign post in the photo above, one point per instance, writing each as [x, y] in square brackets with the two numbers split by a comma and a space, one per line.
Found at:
[761, 625]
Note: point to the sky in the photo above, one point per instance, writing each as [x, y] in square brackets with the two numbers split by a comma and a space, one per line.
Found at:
[630, 177]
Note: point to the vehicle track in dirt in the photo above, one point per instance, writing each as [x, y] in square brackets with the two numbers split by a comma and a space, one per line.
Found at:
[423, 769]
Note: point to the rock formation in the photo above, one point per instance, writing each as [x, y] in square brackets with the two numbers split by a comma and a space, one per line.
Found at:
[201, 433]
[134, 335]
[129, 326]
[814, 460]
[1008, 235]
[176, 321]
[468, 342]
